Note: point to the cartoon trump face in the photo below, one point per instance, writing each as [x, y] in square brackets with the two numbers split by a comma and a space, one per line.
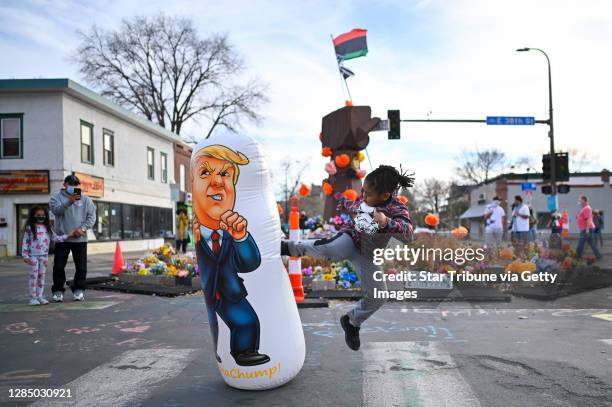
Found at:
[224, 248]
[215, 173]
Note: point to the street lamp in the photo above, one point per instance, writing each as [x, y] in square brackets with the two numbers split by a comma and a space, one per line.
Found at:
[551, 131]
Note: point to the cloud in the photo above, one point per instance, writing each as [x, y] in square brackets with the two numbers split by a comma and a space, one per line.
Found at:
[455, 59]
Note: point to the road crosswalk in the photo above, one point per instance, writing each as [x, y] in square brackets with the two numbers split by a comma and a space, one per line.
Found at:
[418, 373]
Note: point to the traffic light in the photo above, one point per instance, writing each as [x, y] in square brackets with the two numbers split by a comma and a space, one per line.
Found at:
[545, 168]
[561, 167]
[563, 188]
[546, 189]
[562, 161]
[394, 124]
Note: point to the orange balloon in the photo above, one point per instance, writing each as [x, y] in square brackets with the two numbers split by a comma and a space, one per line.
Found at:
[350, 194]
[431, 220]
[342, 160]
[403, 199]
[304, 190]
[327, 188]
[326, 152]
[460, 232]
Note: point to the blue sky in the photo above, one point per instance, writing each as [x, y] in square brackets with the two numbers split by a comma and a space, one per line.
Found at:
[445, 59]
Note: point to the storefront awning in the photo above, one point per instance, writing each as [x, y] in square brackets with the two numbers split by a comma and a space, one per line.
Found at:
[475, 211]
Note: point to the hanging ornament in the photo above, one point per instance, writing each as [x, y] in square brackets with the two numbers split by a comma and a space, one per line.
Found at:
[327, 188]
[350, 194]
[326, 152]
[402, 199]
[330, 168]
[342, 160]
[304, 190]
[431, 220]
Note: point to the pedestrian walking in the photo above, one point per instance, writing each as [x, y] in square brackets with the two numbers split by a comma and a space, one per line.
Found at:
[521, 216]
[182, 230]
[533, 225]
[494, 223]
[37, 237]
[75, 214]
[586, 226]
[555, 241]
[598, 221]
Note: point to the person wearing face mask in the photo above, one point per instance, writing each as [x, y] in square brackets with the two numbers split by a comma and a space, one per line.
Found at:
[37, 237]
[75, 214]
[494, 223]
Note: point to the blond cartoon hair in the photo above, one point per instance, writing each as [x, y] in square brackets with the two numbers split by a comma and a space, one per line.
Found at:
[235, 158]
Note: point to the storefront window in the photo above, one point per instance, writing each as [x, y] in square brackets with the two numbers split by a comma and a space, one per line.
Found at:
[166, 219]
[115, 221]
[151, 224]
[102, 228]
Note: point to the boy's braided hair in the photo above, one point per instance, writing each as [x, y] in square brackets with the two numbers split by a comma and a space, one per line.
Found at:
[388, 179]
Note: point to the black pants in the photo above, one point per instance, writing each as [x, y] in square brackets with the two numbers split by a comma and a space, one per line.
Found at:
[180, 243]
[79, 255]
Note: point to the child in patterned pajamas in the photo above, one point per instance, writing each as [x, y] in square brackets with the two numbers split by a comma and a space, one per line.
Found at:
[35, 248]
[375, 213]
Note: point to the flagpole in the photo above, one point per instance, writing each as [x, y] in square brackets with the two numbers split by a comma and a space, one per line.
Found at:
[342, 80]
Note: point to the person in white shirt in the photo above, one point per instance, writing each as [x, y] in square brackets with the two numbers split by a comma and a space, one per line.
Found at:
[521, 223]
[494, 223]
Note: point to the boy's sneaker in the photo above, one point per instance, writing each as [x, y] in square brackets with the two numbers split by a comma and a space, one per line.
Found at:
[77, 295]
[42, 301]
[34, 301]
[351, 333]
[58, 296]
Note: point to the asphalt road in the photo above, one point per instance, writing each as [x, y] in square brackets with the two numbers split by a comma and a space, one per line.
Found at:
[523, 353]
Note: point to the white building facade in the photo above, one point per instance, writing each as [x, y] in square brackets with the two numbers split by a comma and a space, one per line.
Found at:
[50, 128]
[594, 185]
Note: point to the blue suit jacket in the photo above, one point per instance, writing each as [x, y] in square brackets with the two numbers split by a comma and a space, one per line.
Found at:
[220, 273]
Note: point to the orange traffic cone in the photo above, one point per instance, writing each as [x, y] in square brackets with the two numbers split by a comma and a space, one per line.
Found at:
[118, 264]
[565, 224]
[295, 263]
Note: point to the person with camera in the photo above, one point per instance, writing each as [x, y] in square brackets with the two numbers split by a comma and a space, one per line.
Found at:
[75, 214]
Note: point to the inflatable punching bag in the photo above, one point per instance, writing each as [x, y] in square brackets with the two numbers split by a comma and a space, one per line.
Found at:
[257, 333]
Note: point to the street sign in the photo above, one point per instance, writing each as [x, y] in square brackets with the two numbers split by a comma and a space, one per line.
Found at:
[528, 186]
[552, 203]
[511, 120]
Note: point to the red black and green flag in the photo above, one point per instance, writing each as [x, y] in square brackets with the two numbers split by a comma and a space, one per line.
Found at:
[351, 45]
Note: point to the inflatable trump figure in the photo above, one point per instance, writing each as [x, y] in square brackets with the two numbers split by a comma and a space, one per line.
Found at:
[252, 314]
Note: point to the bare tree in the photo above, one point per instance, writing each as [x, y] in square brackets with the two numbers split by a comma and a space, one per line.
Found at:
[432, 193]
[481, 165]
[160, 67]
[292, 172]
[580, 159]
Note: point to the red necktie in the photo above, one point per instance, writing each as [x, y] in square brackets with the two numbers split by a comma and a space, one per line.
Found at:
[215, 242]
[215, 248]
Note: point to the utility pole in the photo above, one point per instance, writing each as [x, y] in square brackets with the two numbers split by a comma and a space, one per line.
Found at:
[551, 130]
